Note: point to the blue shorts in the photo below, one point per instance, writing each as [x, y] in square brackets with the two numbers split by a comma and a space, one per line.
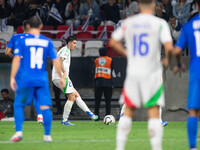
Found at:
[41, 95]
[194, 94]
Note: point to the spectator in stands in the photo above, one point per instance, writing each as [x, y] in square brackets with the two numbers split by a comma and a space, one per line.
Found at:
[33, 7]
[160, 13]
[131, 7]
[5, 9]
[72, 13]
[46, 19]
[175, 28]
[103, 81]
[181, 10]
[60, 5]
[166, 8]
[6, 105]
[18, 14]
[111, 14]
[92, 9]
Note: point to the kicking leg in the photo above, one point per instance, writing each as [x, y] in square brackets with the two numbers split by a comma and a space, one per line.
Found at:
[39, 113]
[81, 104]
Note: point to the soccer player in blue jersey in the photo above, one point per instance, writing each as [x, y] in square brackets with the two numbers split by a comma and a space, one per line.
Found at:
[34, 49]
[190, 36]
[9, 52]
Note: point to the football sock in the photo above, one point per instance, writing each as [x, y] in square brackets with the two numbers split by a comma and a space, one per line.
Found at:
[155, 132]
[38, 110]
[47, 120]
[67, 110]
[123, 130]
[122, 110]
[192, 130]
[19, 117]
[81, 104]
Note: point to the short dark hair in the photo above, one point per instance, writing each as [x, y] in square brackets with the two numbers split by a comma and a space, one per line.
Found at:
[24, 24]
[34, 22]
[145, 1]
[70, 39]
[102, 51]
[5, 90]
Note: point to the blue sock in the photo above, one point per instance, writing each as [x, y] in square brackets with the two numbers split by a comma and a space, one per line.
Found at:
[47, 120]
[37, 108]
[89, 113]
[19, 117]
[192, 130]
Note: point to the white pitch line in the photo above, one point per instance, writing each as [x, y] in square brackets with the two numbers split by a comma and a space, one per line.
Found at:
[93, 141]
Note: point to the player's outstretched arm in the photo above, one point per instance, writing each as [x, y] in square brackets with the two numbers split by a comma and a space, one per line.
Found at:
[14, 69]
[168, 46]
[8, 52]
[179, 65]
[117, 46]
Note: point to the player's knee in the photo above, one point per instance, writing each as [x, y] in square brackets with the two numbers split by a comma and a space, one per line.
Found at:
[194, 112]
[71, 97]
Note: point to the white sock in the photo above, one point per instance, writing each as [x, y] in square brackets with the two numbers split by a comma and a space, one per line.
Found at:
[123, 130]
[39, 116]
[19, 133]
[67, 110]
[81, 104]
[155, 132]
[160, 114]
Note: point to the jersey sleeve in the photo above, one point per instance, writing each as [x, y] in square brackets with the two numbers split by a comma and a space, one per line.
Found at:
[164, 31]
[18, 47]
[51, 50]
[182, 40]
[11, 43]
[65, 53]
[118, 34]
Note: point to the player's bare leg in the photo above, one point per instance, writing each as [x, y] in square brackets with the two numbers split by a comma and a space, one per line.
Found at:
[155, 128]
[124, 128]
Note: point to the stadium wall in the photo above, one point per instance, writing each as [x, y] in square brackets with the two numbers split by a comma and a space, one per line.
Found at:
[82, 73]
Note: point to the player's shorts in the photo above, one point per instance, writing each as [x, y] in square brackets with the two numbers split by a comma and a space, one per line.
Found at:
[68, 88]
[194, 94]
[42, 96]
[148, 92]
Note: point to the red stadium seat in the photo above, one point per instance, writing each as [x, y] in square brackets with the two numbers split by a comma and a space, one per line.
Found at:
[109, 28]
[61, 27]
[48, 28]
[47, 34]
[108, 34]
[84, 35]
[110, 52]
[90, 28]
[20, 29]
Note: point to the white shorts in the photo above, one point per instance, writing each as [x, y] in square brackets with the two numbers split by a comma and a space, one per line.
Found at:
[147, 92]
[68, 88]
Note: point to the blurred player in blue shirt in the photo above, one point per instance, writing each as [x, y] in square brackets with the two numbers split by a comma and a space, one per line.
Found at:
[34, 49]
[190, 36]
[9, 52]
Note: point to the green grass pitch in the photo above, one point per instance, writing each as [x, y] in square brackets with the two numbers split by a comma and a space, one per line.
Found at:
[88, 135]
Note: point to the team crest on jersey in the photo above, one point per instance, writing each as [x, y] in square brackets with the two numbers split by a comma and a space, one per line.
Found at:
[102, 61]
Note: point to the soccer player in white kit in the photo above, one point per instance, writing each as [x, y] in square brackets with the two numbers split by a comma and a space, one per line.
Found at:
[71, 93]
[143, 34]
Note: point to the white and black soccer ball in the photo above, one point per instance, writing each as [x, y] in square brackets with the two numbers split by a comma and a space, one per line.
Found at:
[109, 120]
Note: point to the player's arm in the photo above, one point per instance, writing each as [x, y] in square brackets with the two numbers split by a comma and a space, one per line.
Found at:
[61, 59]
[8, 52]
[117, 47]
[115, 42]
[168, 46]
[57, 65]
[14, 69]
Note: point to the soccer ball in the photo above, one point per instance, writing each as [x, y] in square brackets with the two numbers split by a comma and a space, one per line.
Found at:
[109, 120]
